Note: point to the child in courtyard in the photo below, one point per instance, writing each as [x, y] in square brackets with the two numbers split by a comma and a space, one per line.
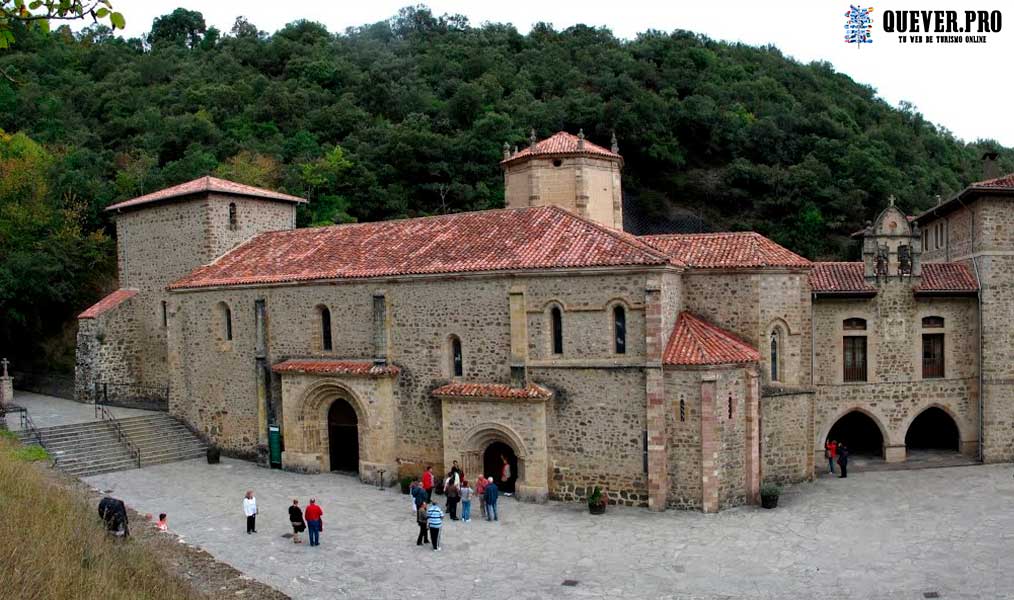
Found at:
[465, 492]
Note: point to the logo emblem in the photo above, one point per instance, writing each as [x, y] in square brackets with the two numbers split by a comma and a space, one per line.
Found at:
[859, 26]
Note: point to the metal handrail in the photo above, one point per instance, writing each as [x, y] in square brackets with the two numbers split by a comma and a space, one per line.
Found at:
[28, 425]
[108, 416]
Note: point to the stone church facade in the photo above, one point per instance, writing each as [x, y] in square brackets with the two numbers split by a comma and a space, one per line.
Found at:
[673, 371]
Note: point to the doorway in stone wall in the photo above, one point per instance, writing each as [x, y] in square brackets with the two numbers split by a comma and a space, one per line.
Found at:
[343, 436]
[493, 465]
[863, 437]
[933, 439]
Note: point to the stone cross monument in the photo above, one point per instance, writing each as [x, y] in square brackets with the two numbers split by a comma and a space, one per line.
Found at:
[6, 385]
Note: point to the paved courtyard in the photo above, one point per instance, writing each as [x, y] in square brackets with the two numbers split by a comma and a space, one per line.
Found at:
[890, 535]
[49, 411]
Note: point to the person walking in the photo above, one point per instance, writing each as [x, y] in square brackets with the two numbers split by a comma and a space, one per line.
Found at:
[434, 519]
[314, 523]
[466, 501]
[480, 493]
[831, 454]
[296, 518]
[843, 459]
[421, 519]
[489, 498]
[427, 482]
[453, 496]
[250, 510]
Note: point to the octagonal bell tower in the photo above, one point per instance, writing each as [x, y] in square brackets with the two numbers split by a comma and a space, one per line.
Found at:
[568, 171]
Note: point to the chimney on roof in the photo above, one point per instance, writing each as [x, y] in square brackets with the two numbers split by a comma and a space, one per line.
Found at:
[580, 139]
[506, 150]
[531, 138]
[615, 147]
[989, 168]
[940, 200]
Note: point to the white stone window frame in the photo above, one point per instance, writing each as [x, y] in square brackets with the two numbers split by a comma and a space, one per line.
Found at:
[871, 348]
[947, 330]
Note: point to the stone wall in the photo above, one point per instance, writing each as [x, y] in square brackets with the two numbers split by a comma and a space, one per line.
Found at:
[108, 350]
[683, 389]
[753, 305]
[594, 425]
[787, 438]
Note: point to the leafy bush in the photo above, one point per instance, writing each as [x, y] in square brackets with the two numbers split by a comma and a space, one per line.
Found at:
[597, 498]
[771, 489]
[30, 453]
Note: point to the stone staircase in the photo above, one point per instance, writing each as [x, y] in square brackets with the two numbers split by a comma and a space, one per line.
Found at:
[90, 448]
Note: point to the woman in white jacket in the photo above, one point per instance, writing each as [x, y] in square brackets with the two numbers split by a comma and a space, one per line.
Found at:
[250, 510]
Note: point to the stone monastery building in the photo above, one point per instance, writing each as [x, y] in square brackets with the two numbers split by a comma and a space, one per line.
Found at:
[675, 371]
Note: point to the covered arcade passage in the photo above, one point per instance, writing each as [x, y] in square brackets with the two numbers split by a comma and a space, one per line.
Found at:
[933, 429]
[860, 433]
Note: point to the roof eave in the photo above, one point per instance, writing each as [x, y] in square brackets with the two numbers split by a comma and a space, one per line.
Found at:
[845, 293]
[955, 202]
[519, 159]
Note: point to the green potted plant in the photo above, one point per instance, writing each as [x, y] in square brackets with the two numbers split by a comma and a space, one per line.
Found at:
[597, 501]
[406, 484]
[769, 493]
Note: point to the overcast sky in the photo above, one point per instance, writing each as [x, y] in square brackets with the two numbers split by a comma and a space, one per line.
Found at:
[963, 87]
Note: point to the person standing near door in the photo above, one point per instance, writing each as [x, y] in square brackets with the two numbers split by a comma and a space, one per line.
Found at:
[314, 523]
[489, 498]
[250, 510]
[480, 494]
[831, 454]
[843, 459]
[505, 474]
[453, 496]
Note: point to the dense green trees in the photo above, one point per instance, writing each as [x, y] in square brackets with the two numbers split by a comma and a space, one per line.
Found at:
[408, 116]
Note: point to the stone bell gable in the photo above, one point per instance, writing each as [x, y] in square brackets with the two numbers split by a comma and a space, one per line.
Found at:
[892, 246]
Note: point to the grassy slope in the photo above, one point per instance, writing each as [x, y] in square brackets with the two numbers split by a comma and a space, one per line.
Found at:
[53, 547]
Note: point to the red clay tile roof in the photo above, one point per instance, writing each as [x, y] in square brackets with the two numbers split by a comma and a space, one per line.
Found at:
[694, 341]
[108, 303]
[725, 250]
[946, 277]
[839, 278]
[1004, 181]
[493, 240]
[205, 185]
[561, 143]
[363, 368]
[500, 391]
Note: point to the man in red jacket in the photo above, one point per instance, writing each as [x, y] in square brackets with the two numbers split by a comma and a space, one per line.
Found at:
[313, 515]
[427, 482]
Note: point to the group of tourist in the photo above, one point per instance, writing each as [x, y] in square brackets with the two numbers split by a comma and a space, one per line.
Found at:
[301, 520]
[430, 517]
[837, 452]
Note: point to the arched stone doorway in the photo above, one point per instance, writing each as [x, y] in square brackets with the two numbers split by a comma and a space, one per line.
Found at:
[343, 436]
[860, 433]
[934, 430]
[493, 458]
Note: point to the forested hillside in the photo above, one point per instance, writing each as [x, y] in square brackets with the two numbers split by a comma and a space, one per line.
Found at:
[408, 117]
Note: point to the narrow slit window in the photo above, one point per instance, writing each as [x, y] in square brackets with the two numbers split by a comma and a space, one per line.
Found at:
[730, 406]
[683, 410]
[165, 314]
[457, 360]
[557, 322]
[325, 329]
[227, 322]
[774, 356]
[232, 216]
[620, 330]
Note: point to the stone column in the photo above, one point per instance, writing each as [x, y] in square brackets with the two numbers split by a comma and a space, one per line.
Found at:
[655, 410]
[753, 470]
[534, 187]
[617, 199]
[581, 188]
[709, 446]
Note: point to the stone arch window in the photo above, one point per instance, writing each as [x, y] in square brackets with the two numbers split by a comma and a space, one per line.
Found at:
[232, 216]
[619, 329]
[325, 328]
[775, 374]
[225, 317]
[556, 327]
[457, 361]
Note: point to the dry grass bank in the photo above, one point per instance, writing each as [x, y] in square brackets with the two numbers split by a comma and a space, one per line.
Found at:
[53, 547]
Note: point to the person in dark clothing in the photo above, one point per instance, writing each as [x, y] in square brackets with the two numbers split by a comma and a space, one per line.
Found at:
[419, 495]
[422, 519]
[453, 496]
[489, 499]
[114, 513]
[843, 459]
[296, 518]
[456, 470]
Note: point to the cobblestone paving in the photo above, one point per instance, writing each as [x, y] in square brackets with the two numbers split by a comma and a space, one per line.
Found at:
[882, 535]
